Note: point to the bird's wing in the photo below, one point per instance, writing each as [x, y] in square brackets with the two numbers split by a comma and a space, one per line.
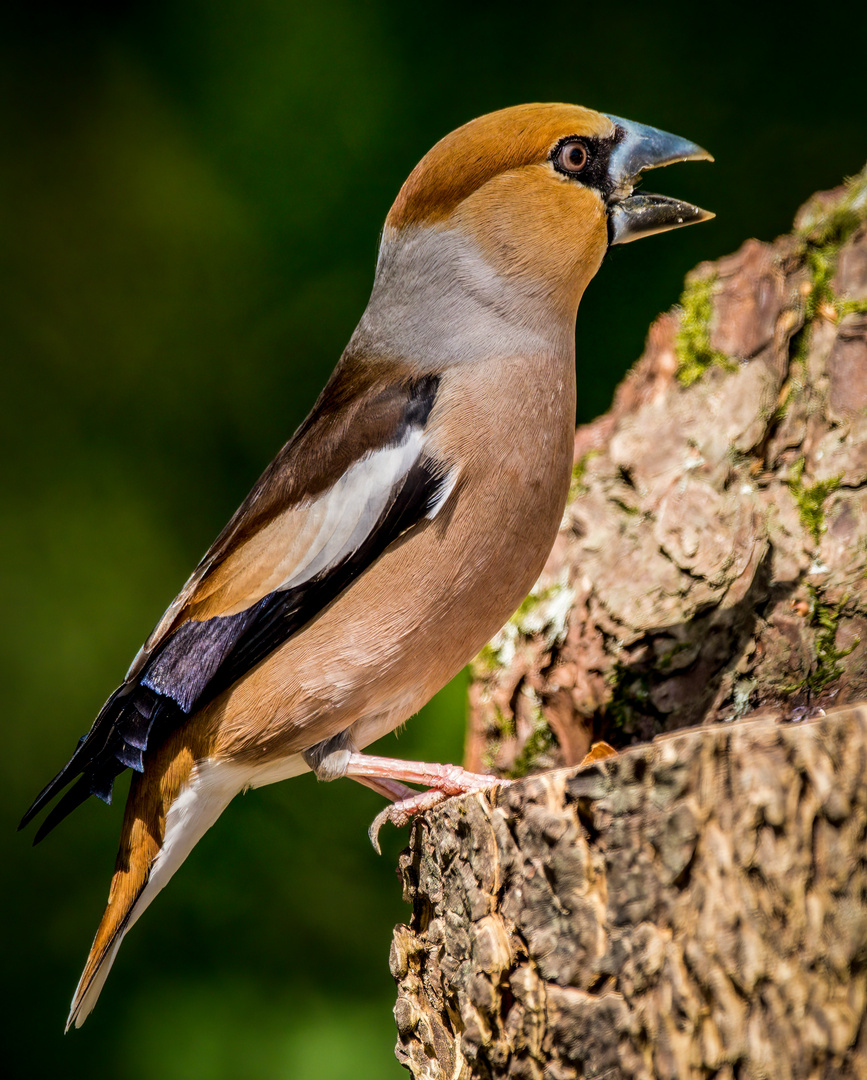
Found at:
[353, 478]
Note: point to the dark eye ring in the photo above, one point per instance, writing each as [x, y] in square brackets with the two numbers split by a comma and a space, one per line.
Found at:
[572, 156]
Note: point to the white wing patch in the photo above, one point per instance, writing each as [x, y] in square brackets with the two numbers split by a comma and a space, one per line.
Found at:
[350, 510]
[312, 538]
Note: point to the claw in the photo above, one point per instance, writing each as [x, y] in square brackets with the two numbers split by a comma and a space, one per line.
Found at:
[400, 813]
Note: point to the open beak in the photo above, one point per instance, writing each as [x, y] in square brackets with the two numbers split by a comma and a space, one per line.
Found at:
[638, 148]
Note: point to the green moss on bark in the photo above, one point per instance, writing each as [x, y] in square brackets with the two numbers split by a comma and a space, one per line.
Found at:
[825, 619]
[824, 233]
[692, 342]
[811, 500]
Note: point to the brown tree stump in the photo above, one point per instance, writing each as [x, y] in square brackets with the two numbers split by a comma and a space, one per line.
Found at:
[696, 906]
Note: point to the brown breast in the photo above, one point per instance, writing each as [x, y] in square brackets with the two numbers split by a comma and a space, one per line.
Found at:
[418, 615]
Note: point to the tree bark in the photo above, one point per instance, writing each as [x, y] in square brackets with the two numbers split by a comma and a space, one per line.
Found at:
[697, 905]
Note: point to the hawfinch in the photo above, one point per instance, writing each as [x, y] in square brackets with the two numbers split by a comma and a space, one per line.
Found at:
[402, 523]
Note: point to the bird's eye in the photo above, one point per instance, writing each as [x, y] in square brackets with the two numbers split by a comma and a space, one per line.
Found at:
[572, 156]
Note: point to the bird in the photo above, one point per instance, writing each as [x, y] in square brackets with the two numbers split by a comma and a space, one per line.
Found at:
[404, 521]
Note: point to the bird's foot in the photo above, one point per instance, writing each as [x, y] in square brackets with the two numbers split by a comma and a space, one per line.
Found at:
[402, 812]
[386, 775]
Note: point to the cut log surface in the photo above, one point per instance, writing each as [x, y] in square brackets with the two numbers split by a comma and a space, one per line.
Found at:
[693, 907]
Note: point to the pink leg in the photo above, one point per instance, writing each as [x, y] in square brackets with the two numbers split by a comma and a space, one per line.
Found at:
[450, 779]
[385, 775]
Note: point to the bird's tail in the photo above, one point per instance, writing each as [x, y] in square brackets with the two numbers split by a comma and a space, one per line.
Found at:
[169, 809]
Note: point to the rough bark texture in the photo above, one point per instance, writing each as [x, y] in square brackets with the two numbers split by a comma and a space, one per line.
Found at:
[696, 907]
[712, 557]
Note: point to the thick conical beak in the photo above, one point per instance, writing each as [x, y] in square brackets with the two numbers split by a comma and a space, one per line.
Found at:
[639, 148]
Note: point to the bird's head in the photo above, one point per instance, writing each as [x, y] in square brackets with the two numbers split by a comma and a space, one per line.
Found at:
[536, 194]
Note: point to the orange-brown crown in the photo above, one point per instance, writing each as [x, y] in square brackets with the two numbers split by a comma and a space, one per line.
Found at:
[472, 155]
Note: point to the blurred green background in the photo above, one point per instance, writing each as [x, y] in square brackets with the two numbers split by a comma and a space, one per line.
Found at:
[190, 199]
